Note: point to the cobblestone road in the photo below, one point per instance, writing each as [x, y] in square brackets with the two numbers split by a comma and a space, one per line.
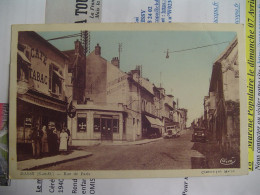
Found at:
[162, 154]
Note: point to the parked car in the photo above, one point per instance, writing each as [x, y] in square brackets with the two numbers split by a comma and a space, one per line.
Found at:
[168, 134]
[171, 132]
[199, 134]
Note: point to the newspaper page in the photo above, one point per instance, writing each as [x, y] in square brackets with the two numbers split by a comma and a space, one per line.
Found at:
[186, 13]
[80, 11]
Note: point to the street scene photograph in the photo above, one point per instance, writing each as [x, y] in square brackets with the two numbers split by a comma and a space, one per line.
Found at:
[127, 100]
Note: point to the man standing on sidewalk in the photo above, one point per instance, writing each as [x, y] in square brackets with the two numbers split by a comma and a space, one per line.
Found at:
[36, 137]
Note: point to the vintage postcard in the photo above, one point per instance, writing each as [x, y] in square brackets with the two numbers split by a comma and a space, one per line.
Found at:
[127, 101]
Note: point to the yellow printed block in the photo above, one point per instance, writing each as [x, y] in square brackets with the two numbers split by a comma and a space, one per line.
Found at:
[250, 59]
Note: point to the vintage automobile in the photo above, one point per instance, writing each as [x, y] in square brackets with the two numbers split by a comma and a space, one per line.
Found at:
[171, 132]
[199, 134]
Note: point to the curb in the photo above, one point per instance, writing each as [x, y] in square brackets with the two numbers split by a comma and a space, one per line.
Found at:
[40, 166]
[136, 142]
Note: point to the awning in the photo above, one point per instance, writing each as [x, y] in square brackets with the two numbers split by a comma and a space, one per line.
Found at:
[58, 74]
[21, 54]
[155, 122]
[43, 102]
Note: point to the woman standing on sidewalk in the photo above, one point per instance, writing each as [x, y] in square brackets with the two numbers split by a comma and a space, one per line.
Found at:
[63, 140]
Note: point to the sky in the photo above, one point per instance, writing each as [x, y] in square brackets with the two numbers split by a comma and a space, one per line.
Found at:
[185, 75]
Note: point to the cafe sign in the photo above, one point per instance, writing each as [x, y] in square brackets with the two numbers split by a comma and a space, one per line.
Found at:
[39, 70]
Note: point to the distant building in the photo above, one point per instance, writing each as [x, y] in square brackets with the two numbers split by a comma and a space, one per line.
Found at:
[180, 118]
[118, 106]
[152, 124]
[206, 104]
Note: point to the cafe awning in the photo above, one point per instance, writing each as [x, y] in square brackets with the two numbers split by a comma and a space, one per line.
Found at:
[155, 122]
[23, 56]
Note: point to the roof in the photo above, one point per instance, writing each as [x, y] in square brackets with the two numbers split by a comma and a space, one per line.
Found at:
[41, 39]
[216, 69]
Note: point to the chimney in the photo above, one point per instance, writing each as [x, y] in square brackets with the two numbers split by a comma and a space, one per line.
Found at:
[135, 72]
[97, 50]
[115, 62]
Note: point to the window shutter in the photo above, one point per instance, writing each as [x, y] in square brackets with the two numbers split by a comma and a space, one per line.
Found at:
[50, 76]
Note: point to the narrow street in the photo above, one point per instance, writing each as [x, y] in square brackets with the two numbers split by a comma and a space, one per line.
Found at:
[174, 153]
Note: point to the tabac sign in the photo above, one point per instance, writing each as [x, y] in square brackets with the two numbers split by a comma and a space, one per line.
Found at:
[39, 71]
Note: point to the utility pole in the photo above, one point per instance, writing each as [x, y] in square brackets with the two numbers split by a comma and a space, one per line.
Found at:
[85, 41]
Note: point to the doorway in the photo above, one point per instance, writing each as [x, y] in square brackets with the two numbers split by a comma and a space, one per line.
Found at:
[106, 129]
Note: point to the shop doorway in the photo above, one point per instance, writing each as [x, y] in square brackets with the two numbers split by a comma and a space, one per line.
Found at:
[106, 129]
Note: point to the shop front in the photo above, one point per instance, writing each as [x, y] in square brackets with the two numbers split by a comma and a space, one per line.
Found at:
[33, 109]
[41, 70]
[152, 127]
[95, 125]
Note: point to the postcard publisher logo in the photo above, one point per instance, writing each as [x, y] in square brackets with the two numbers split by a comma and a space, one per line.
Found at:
[226, 161]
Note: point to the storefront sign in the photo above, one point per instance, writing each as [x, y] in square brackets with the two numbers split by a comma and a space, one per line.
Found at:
[82, 122]
[39, 69]
[36, 53]
[37, 76]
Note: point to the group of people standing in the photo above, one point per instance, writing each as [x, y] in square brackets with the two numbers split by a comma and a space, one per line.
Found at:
[48, 140]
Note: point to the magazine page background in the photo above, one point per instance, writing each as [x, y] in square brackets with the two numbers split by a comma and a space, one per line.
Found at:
[33, 11]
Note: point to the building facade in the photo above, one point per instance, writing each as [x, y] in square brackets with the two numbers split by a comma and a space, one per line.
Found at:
[110, 108]
[222, 106]
[40, 84]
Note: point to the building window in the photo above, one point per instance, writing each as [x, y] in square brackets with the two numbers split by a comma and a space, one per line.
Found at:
[97, 124]
[23, 66]
[106, 123]
[115, 126]
[55, 79]
[82, 123]
[133, 121]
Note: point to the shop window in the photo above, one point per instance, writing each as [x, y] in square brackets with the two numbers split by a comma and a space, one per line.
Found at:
[55, 79]
[97, 124]
[82, 123]
[109, 125]
[115, 126]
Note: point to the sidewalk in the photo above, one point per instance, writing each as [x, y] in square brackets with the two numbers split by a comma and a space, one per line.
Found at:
[138, 142]
[128, 143]
[52, 160]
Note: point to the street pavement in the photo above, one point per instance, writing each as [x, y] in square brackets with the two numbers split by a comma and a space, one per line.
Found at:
[176, 153]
